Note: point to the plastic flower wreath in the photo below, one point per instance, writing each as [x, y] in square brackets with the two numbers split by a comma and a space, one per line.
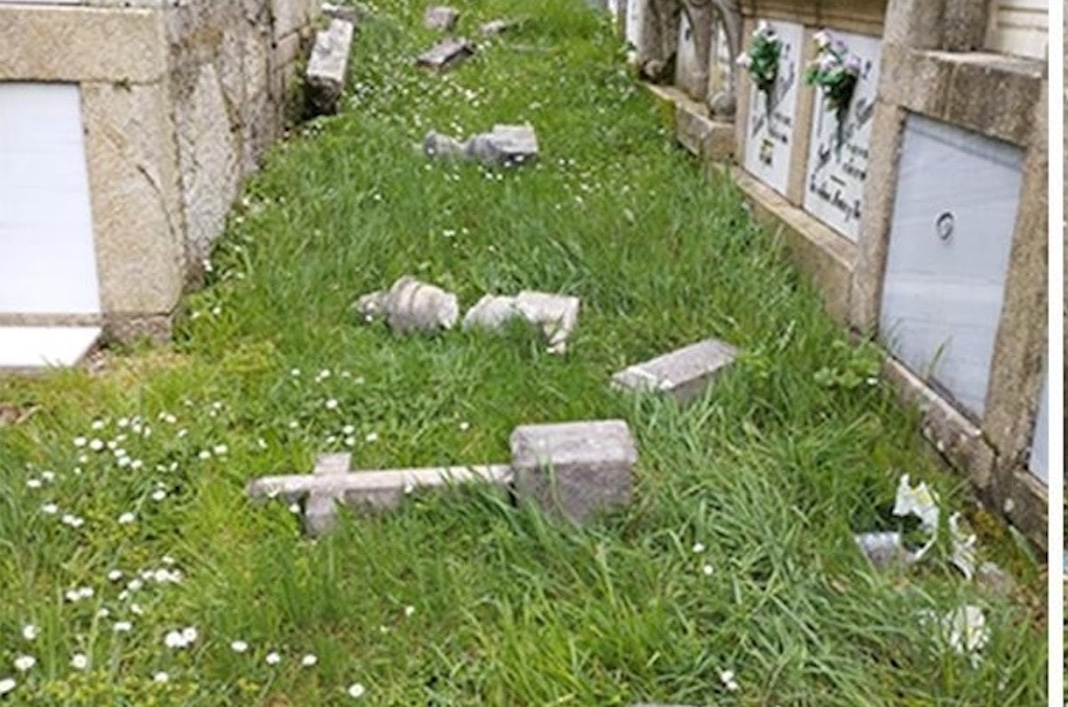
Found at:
[762, 60]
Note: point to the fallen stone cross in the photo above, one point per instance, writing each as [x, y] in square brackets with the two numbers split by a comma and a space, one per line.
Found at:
[446, 55]
[504, 146]
[348, 13]
[328, 67]
[571, 470]
[683, 374]
[555, 315]
[441, 17]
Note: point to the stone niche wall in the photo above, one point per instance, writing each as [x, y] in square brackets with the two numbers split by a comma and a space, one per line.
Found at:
[920, 216]
[178, 103]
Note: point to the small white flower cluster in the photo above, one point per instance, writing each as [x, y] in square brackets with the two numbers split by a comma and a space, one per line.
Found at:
[179, 639]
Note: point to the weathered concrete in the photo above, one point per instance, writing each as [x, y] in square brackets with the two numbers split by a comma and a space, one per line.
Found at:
[441, 17]
[328, 67]
[446, 55]
[574, 470]
[684, 374]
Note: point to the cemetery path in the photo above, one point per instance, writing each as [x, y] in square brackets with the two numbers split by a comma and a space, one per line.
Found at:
[138, 573]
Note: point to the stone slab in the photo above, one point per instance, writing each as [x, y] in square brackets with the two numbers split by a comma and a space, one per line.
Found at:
[683, 374]
[446, 55]
[441, 17]
[328, 67]
[574, 470]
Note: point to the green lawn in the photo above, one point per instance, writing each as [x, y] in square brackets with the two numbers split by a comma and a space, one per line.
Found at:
[736, 554]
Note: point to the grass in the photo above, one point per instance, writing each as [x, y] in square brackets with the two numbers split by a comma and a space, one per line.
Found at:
[736, 554]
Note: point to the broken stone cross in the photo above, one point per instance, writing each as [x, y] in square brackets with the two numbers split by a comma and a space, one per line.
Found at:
[571, 470]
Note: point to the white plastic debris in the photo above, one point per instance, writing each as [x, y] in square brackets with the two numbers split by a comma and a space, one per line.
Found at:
[963, 629]
[411, 305]
[920, 502]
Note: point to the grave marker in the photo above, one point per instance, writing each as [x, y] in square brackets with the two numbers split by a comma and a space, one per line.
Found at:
[572, 470]
[834, 183]
[328, 67]
[683, 374]
[769, 134]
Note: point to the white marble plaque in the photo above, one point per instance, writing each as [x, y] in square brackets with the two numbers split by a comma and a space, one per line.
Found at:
[950, 239]
[47, 253]
[769, 136]
[838, 155]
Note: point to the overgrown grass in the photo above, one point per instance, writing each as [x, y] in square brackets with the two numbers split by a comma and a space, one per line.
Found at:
[736, 555]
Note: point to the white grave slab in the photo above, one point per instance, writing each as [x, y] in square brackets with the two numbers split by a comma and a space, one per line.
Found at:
[950, 239]
[769, 139]
[47, 257]
[1039, 464]
[39, 347]
[834, 184]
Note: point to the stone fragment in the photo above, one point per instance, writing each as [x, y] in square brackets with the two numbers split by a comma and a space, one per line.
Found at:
[491, 312]
[683, 374]
[446, 55]
[504, 146]
[574, 470]
[496, 27]
[328, 67]
[555, 315]
[411, 306]
[441, 17]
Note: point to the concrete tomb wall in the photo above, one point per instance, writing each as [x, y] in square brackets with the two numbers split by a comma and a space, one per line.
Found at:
[176, 103]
